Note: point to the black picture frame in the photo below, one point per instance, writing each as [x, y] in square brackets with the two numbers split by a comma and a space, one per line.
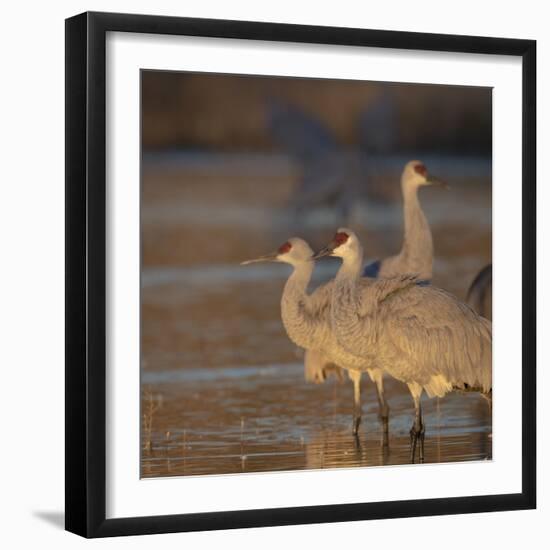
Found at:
[86, 274]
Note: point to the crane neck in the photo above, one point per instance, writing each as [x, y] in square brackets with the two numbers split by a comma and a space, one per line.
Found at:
[297, 283]
[345, 282]
[417, 249]
[351, 266]
[350, 329]
[299, 326]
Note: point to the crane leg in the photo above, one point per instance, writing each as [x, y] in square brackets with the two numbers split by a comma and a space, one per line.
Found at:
[377, 377]
[418, 430]
[355, 377]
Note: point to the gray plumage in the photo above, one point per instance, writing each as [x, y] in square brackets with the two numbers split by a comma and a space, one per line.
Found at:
[317, 368]
[420, 335]
[416, 332]
[415, 256]
[307, 319]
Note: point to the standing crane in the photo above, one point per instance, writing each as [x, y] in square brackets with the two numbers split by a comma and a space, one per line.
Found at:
[418, 334]
[307, 320]
[415, 257]
[416, 254]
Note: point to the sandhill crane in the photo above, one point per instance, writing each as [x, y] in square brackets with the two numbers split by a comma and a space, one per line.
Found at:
[307, 320]
[479, 295]
[415, 257]
[330, 176]
[419, 334]
[333, 174]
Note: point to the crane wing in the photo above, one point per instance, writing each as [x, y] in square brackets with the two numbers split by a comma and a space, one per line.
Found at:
[430, 333]
[316, 311]
[299, 133]
[374, 292]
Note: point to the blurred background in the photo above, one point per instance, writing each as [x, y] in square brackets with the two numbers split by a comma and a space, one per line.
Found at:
[231, 113]
[231, 167]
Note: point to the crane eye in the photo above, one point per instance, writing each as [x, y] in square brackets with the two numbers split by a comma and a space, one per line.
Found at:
[420, 169]
[284, 248]
[341, 238]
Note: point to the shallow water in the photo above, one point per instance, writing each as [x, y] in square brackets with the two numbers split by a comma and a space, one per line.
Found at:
[226, 420]
[223, 389]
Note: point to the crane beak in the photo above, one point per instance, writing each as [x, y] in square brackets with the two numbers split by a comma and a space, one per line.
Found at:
[267, 258]
[327, 251]
[432, 180]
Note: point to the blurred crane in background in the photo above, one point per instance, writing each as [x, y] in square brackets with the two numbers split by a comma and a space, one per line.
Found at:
[331, 176]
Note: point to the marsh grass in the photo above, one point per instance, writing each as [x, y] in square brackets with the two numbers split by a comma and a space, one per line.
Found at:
[152, 405]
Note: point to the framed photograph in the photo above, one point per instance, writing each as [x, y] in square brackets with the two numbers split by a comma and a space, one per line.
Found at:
[287, 247]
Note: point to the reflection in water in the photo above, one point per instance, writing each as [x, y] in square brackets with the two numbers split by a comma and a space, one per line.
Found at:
[223, 389]
[270, 419]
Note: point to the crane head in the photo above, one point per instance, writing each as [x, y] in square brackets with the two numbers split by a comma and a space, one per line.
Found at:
[294, 251]
[416, 174]
[344, 242]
